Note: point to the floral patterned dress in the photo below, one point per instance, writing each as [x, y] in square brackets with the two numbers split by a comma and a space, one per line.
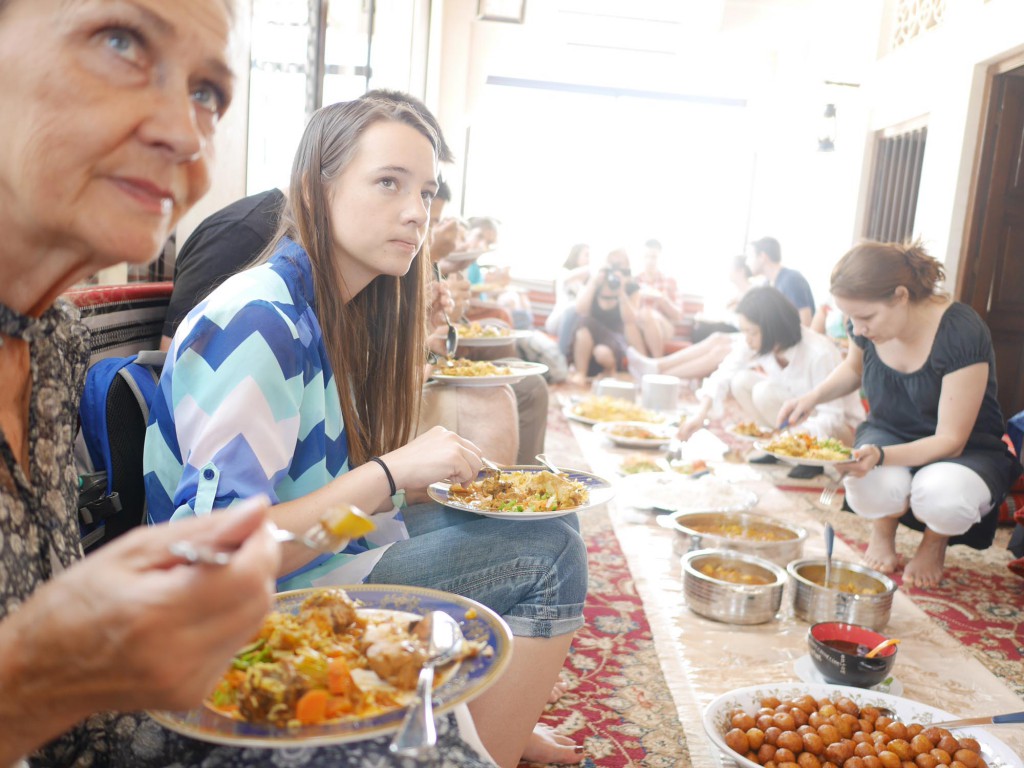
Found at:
[39, 538]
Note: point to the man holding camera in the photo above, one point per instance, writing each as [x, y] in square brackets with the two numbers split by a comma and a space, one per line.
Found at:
[607, 320]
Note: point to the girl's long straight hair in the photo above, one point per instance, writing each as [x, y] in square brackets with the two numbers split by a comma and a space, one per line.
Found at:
[376, 342]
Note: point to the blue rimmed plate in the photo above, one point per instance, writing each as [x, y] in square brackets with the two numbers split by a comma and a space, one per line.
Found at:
[601, 492]
[467, 681]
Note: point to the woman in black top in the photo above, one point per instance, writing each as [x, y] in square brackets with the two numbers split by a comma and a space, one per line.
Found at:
[927, 367]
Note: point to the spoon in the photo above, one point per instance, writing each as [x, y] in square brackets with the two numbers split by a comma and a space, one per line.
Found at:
[418, 734]
[881, 647]
[491, 466]
[830, 538]
[451, 340]
[543, 459]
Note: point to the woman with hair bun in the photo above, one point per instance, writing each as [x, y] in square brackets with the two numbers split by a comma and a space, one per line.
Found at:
[932, 443]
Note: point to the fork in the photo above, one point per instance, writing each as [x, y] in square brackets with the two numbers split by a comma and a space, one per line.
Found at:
[317, 539]
[829, 492]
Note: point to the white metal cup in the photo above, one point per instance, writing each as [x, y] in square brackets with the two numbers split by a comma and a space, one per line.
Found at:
[659, 392]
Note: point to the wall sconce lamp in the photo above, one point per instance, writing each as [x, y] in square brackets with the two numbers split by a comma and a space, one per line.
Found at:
[827, 130]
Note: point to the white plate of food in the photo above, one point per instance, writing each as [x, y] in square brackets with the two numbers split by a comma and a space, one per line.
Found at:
[379, 707]
[637, 463]
[594, 410]
[636, 434]
[486, 373]
[719, 713]
[750, 430]
[525, 493]
[488, 334]
[676, 492]
[801, 448]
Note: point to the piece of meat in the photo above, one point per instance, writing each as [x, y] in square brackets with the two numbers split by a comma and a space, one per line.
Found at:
[396, 657]
[333, 608]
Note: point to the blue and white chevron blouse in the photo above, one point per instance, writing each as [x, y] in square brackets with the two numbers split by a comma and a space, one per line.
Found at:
[247, 402]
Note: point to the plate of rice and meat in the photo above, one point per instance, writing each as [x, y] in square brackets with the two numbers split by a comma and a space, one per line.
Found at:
[337, 664]
[594, 409]
[485, 373]
[488, 334]
[802, 448]
[636, 434]
[524, 493]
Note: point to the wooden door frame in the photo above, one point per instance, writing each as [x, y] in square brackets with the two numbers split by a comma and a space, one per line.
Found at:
[966, 278]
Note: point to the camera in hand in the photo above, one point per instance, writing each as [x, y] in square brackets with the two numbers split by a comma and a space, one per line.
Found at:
[614, 280]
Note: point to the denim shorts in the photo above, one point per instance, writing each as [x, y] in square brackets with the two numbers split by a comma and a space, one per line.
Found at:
[532, 573]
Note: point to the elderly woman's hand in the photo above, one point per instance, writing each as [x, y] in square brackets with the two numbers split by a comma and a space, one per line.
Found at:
[134, 627]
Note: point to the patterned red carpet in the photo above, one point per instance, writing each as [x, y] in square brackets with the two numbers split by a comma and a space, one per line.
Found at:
[618, 705]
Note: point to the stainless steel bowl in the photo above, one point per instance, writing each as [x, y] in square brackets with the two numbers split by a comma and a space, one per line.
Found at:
[739, 532]
[727, 601]
[814, 603]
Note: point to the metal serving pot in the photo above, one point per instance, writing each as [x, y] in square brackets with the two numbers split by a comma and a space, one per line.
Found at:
[730, 602]
[814, 602]
[753, 534]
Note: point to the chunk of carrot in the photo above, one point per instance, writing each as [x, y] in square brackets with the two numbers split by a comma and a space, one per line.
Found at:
[339, 678]
[312, 707]
[338, 706]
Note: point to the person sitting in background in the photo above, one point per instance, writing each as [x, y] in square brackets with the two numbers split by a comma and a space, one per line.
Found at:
[445, 234]
[766, 260]
[829, 321]
[112, 109]
[932, 442]
[722, 317]
[572, 277]
[606, 322]
[659, 308]
[693, 362]
[779, 359]
[333, 326]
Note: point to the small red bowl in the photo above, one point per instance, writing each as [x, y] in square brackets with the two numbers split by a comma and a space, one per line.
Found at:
[846, 664]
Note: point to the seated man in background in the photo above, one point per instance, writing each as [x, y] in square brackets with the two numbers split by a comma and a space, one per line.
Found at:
[766, 260]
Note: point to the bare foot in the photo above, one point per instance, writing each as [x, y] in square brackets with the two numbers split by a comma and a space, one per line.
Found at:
[577, 378]
[881, 552]
[558, 690]
[546, 746]
[925, 568]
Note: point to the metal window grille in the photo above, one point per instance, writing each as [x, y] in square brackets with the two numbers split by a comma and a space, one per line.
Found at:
[895, 181]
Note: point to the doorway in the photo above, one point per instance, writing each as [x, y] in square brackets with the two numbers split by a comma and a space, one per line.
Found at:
[992, 267]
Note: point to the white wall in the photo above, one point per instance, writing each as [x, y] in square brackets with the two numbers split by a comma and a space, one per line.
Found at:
[942, 75]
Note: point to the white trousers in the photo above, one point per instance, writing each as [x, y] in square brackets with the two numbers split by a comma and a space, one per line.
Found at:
[948, 498]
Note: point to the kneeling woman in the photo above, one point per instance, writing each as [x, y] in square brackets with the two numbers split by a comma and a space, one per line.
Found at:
[299, 378]
[932, 443]
[777, 359]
